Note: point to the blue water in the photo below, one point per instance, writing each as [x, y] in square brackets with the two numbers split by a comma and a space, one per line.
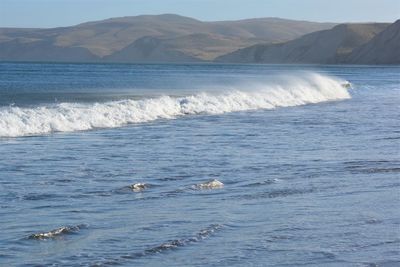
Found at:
[313, 183]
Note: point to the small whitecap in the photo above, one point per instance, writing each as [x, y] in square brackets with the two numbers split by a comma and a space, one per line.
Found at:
[56, 232]
[213, 184]
[138, 187]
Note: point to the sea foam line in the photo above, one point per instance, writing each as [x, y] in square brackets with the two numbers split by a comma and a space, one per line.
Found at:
[69, 117]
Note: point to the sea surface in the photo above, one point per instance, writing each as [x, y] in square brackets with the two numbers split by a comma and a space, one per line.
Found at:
[110, 165]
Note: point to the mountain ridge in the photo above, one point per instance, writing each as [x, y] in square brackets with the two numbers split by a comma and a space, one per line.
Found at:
[99, 40]
[171, 38]
[384, 48]
[330, 46]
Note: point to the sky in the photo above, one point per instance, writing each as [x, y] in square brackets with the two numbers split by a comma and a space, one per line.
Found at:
[54, 13]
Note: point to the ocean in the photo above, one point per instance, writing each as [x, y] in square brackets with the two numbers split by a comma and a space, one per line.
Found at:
[199, 165]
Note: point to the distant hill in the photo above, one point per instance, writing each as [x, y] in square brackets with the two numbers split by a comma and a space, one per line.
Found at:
[168, 37]
[384, 48]
[323, 47]
[152, 49]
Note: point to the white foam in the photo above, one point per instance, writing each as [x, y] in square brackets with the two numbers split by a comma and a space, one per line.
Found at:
[213, 184]
[68, 117]
[138, 187]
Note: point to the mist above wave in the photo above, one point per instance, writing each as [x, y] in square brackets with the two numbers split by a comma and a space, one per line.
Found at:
[67, 117]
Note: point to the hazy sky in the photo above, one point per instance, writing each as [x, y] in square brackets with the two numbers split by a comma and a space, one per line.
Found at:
[51, 13]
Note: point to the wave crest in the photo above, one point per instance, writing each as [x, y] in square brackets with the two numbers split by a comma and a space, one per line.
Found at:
[68, 117]
[57, 232]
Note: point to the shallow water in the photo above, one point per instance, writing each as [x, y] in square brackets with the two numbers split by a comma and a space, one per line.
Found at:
[310, 182]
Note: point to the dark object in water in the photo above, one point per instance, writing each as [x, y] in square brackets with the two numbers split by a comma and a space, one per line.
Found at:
[347, 85]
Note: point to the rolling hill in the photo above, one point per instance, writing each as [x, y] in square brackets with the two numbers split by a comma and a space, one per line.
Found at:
[171, 38]
[323, 47]
[384, 48]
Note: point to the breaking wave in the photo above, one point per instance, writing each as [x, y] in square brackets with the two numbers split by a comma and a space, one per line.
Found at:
[65, 230]
[68, 117]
